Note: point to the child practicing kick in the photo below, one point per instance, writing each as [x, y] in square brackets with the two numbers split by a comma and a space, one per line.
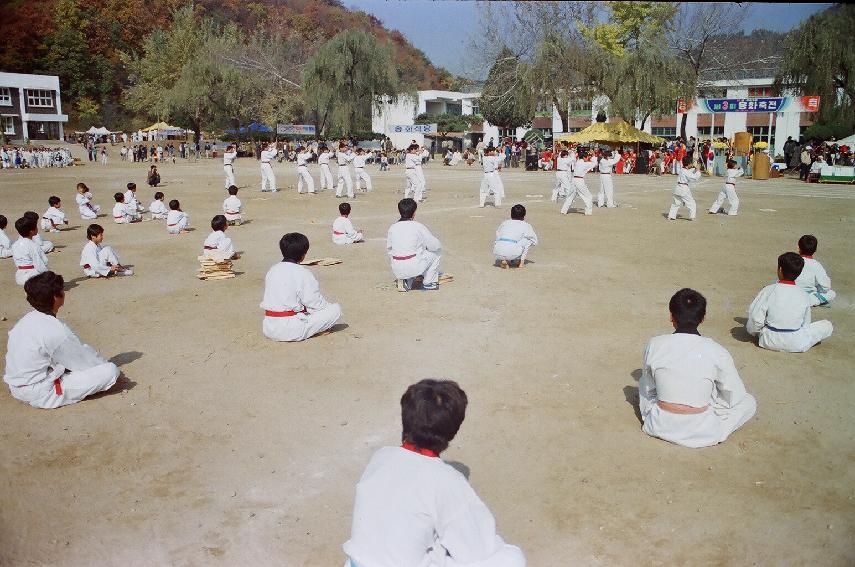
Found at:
[682, 191]
[728, 192]
[122, 213]
[513, 239]
[5, 243]
[131, 198]
[413, 250]
[780, 314]
[343, 231]
[690, 392]
[294, 308]
[232, 207]
[97, 260]
[219, 246]
[359, 161]
[414, 509]
[176, 220]
[88, 211]
[813, 279]
[28, 255]
[46, 364]
[54, 216]
[158, 208]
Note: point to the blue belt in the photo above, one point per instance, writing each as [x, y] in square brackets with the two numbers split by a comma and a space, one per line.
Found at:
[506, 240]
[771, 328]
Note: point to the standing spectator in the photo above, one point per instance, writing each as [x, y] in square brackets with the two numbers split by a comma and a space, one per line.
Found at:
[804, 168]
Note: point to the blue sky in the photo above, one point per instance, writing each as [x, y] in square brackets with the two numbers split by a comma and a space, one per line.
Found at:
[443, 28]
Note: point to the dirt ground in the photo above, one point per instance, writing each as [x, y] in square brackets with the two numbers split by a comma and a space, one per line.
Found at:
[225, 448]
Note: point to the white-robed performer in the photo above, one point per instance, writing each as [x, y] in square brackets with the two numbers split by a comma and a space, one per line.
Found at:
[158, 208]
[47, 366]
[563, 171]
[728, 191]
[578, 187]
[5, 242]
[54, 217]
[491, 183]
[514, 237]
[682, 195]
[303, 177]
[423, 154]
[294, 308]
[29, 257]
[359, 161]
[177, 221]
[88, 210]
[229, 157]
[232, 207]
[97, 260]
[414, 188]
[343, 157]
[324, 164]
[414, 509]
[217, 245]
[268, 179]
[606, 196]
[413, 250]
[690, 392]
[343, 231]
[780, 314]
[814, 279]
[131, 199]
[124, 213]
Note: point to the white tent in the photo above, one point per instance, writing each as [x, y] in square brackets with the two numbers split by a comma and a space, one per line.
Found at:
[103, 131]
[92, 130]
[847, 141]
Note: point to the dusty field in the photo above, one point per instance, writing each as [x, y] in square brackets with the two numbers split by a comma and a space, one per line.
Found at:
[224, 448]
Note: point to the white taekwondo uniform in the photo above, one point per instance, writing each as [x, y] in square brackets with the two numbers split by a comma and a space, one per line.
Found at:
[29, 259]
[131, 201]
[728, 192]
[229, 167]
[578, 187]
[124, 214]
[413, 251]
[303, 172]
[47, 366]
[88, 211]
[176, 221]
[96, 260]
[294, 307]
[563, 182]
[232, 208]
[158, 210]
[513, 239]
[5, 245]
[414, 188]
[326, 174]
[780, 317]
[359, 172]
[682, 195]
[218, 246]
[606, 196]
[420, 172]
[343, 232]
[53, 218]
[268, 179]
[45, 245]
[816, 283]
[491, 183]
[344, 179]
[415, 510]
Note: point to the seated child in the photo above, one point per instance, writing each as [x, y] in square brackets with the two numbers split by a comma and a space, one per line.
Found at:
[46, 364]
[343, 231]
[131, 198]
[294, 308]
[122, 213]
[513, 239]
[413, 250]
[232, 207]
[88, 211]
[46, 245]
[5, 243]
[28, 255]
[153, 176]
[54, 216]
[176, 219]
[690, 392]
[100, 261]
[219, 246]
[780, 314]
[414, 509]
[158, 208]
[813, 279]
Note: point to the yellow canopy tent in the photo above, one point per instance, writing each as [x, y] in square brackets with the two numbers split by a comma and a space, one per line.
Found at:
[614, 133]
[158, 126]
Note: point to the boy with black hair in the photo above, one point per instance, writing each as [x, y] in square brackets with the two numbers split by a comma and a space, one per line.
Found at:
[100, 261]
[682, 191]
[513, 238]
[176, 219]
[563, 170]
[229, 157]
[294, 308]
[131, 199]
[343, 157]
[359, 161]
[582, 166]
[814, 279]
[414, 187]
[303, 176]
[46, 364]
[158, 208]
[219, 246]
[606, 196]
[413, 250]
[232, 207]
[122, 213]
[780, 314]
[491, 182]
[343, 231]
[28, 255]
[690, 392]
[324, 164]
[5, 243]
[54, 216]
[414, 509]
[728, 192]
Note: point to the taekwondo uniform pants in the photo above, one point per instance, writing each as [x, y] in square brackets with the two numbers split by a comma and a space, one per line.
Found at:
[491, 183]
[820, 297]
[800, 340]
[697, 429]
[326, 177]
[423, 264]
[578, 188]
[229, 170]
[362, 176]
[728, 193]
[414, 188]
[72, 387]
[562, 185]
[510, 250]
[343, 181]
[607, 191]
[303, 176]
[268, 179]
[301, 326]
[106, 256]
[682, 198]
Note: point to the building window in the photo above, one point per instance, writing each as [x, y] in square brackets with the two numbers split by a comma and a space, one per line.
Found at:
[759, 91]
[476, 107]
[40, 98]
[580, 107]
[8, 125]
[5, 96]
[705, 131]
[665, 131]
[454, 108]
[507, 132]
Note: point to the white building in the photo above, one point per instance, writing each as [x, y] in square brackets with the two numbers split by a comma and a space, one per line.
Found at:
[30, 107]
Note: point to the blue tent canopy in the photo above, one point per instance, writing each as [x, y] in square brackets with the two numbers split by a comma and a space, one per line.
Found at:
[254, 127]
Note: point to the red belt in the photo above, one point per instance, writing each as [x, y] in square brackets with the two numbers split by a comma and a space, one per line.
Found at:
[339, 233]
[403, 257]
[176, 224]
[268, 313]
[121, 217]
[26, 267]
[86, 266]
[232, 212]
[57, 386]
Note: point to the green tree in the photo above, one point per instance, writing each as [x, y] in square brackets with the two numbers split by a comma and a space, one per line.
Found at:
[507, 100]
[818, 59]
[445, 123]
[344, 78]
[631, 25]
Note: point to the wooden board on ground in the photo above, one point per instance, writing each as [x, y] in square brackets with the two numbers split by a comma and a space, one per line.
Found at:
[321, 262]
[446, 278]
[214, 269]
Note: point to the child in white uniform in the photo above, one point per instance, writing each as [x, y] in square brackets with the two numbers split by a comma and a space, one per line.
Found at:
[513, 239]
[682, 195]
[54, 216]
[359, 161]
[88, 210]
[814, 279]
[491, 183]
[324, 163]
[563, 171]
[5, 243]
[122, 213]
[29, 258]
[343, 231]
[413, 250]
[229, 157]
[46, 364]
[176, 219]
[131, 199]
[219, 246]
[158, 208]
[414, 509]
[606, 196]
[97, 260]
[268, 179]
[46, 245]
[780, 314]
[343, 158]
[728, 192]
[303, 177]
[294, 308]
[690, 392]
[232, 207]
[414, 187]
[578, 187]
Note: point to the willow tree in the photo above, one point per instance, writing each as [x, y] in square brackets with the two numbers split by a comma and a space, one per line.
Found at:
[507, 100]
[344, 78]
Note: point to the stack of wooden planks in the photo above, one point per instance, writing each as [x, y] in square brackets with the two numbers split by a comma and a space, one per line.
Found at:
[213, 269]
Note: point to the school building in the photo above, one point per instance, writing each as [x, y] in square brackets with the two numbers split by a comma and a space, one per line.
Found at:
[30, 107]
